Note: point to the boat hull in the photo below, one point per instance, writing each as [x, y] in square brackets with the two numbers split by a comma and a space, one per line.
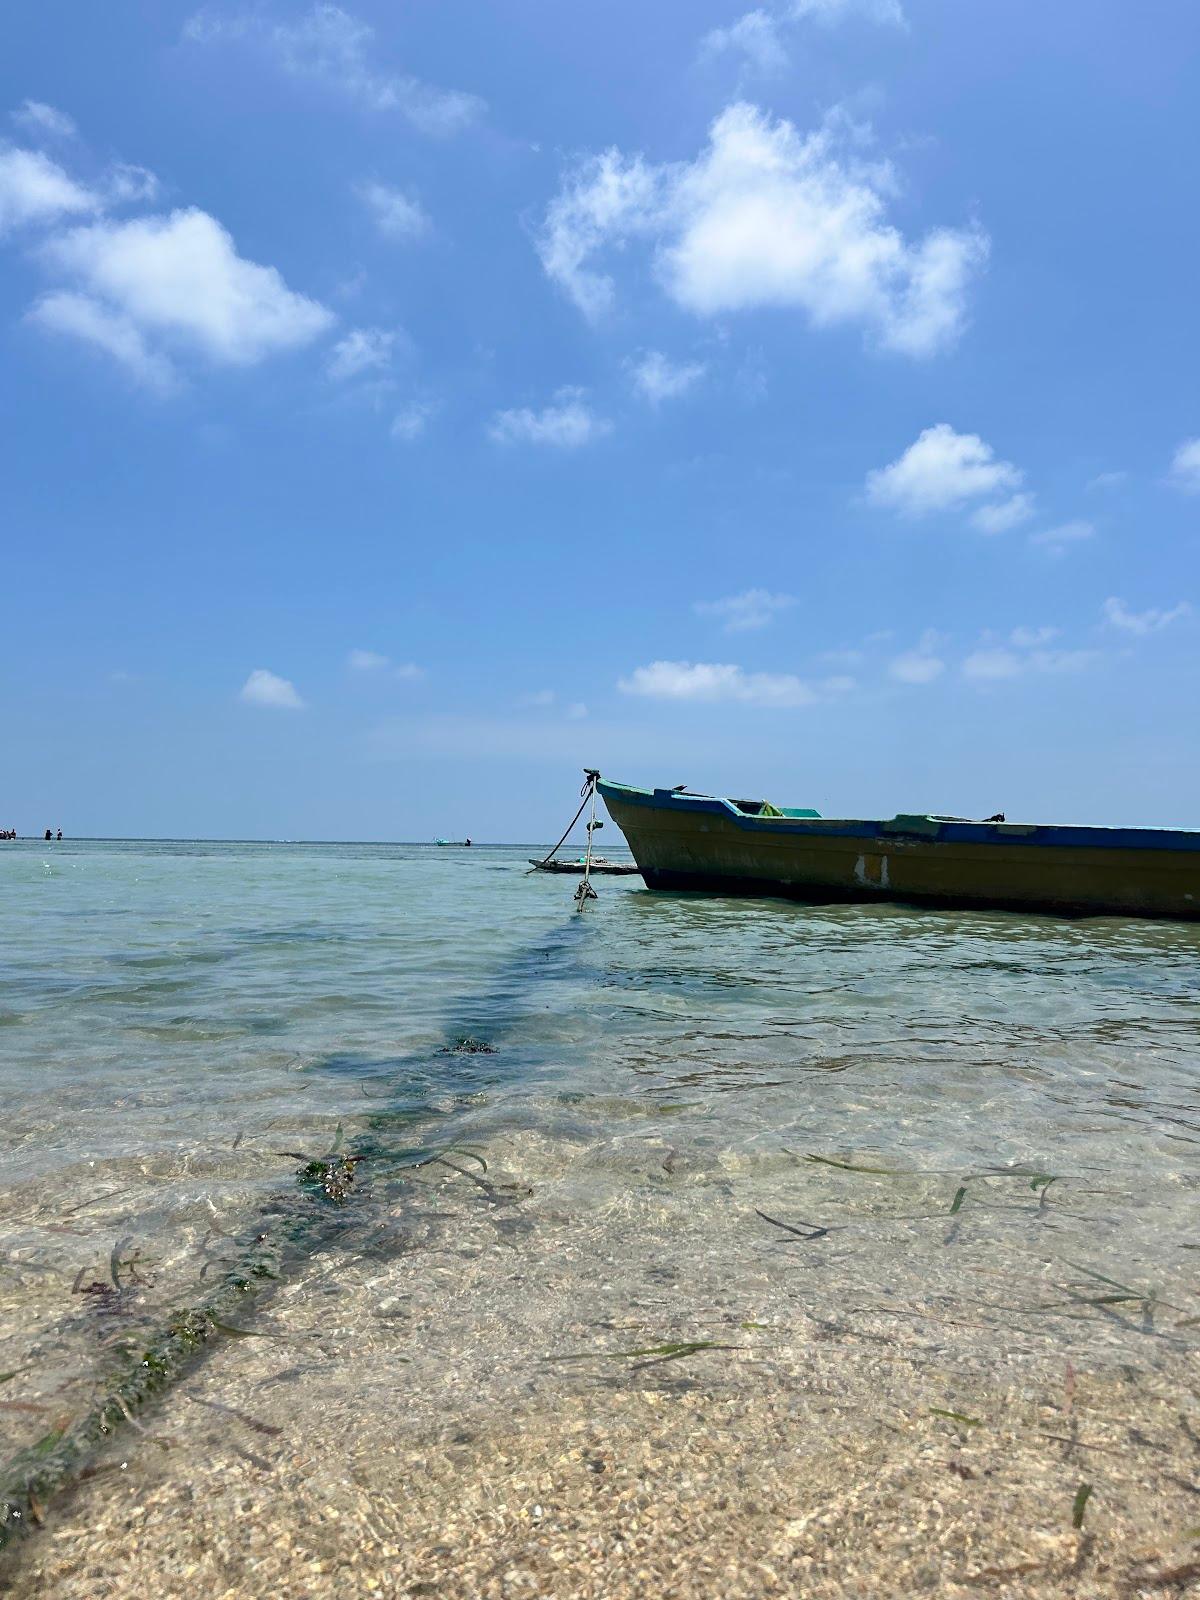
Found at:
[696, 842]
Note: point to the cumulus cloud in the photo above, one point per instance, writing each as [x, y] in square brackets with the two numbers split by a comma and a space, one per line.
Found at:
[1185, 467]
[410, 422]
[81, 317]
[884, 11]
[41, 120]
[566, 424]
[362, 350]
[658, 378]
[941, 471]
[1003, 515]
[1024, 654]
[1030, 638]
[740, 613]
[330, 47]
[757, 36]
[1118, 615]
[716, 682]
[766, 216]
[180, 278]
[1058, 540]
[128, 184]
[921, 665]
[263, 688]
[370, 661]
[396, 214]
[34, 189]
[991, 664]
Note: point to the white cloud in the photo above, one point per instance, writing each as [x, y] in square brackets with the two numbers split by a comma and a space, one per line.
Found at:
[566, 424]
[940, 471]
[128, 184]
[34, 189]
[1108, 480]
[754, 608]
[755, 36]
[884, 11]
[758, 35]
[1185, 467]
[1118, 614]
[1031, 638]
[766, 217]
[180, 277]
[263, 688]
[329, 46]
[395, 214]
[372, 662]
[576, 711]
[994, 663]
[410, 422]
[37, 118]
[606, 199]
[921, 665]
[1057, 540]
[110, 331]
[1002, 516]
[715, 682]
[362, 350]
[1063, 660]
[207, 26]
[538, 698]
[659, 378]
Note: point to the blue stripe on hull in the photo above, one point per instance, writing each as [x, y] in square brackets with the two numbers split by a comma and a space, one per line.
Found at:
[917, 827]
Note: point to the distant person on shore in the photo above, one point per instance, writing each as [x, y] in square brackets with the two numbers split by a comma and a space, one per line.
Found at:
[59, 834]
[49, 835]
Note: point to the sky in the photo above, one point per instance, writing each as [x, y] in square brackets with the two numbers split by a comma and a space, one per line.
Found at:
[405, 406]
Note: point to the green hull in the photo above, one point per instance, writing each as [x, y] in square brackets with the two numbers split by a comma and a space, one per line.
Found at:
[682, 841]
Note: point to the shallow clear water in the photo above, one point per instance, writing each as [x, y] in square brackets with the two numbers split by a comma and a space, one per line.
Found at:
[973, 1115]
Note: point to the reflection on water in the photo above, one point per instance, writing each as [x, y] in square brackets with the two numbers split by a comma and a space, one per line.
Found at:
[673, 1106]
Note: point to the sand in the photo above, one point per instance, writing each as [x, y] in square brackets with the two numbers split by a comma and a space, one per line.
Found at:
[450, 1406]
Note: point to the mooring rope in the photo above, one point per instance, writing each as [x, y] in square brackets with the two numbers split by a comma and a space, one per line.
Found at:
[588, 792]
[585, 892]
[30, 1478]
[287, 1231]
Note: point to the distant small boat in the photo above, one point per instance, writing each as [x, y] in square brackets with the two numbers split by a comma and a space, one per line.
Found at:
[599, 864]
[750, 847]
[458, 844]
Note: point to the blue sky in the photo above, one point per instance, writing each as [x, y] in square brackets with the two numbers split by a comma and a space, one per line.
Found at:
[404, 406]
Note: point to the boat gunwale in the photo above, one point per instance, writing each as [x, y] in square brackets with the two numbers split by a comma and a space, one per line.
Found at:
[923, 828]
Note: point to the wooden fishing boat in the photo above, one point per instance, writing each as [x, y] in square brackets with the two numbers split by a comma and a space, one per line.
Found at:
[750, 847]
[599, 864]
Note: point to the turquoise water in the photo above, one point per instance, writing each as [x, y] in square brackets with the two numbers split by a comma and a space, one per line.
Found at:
[179, 1020]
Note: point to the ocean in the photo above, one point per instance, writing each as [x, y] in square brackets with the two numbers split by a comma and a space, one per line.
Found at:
[581, 1222]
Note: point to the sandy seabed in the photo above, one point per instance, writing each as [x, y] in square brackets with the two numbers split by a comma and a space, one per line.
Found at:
[607, 1373]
